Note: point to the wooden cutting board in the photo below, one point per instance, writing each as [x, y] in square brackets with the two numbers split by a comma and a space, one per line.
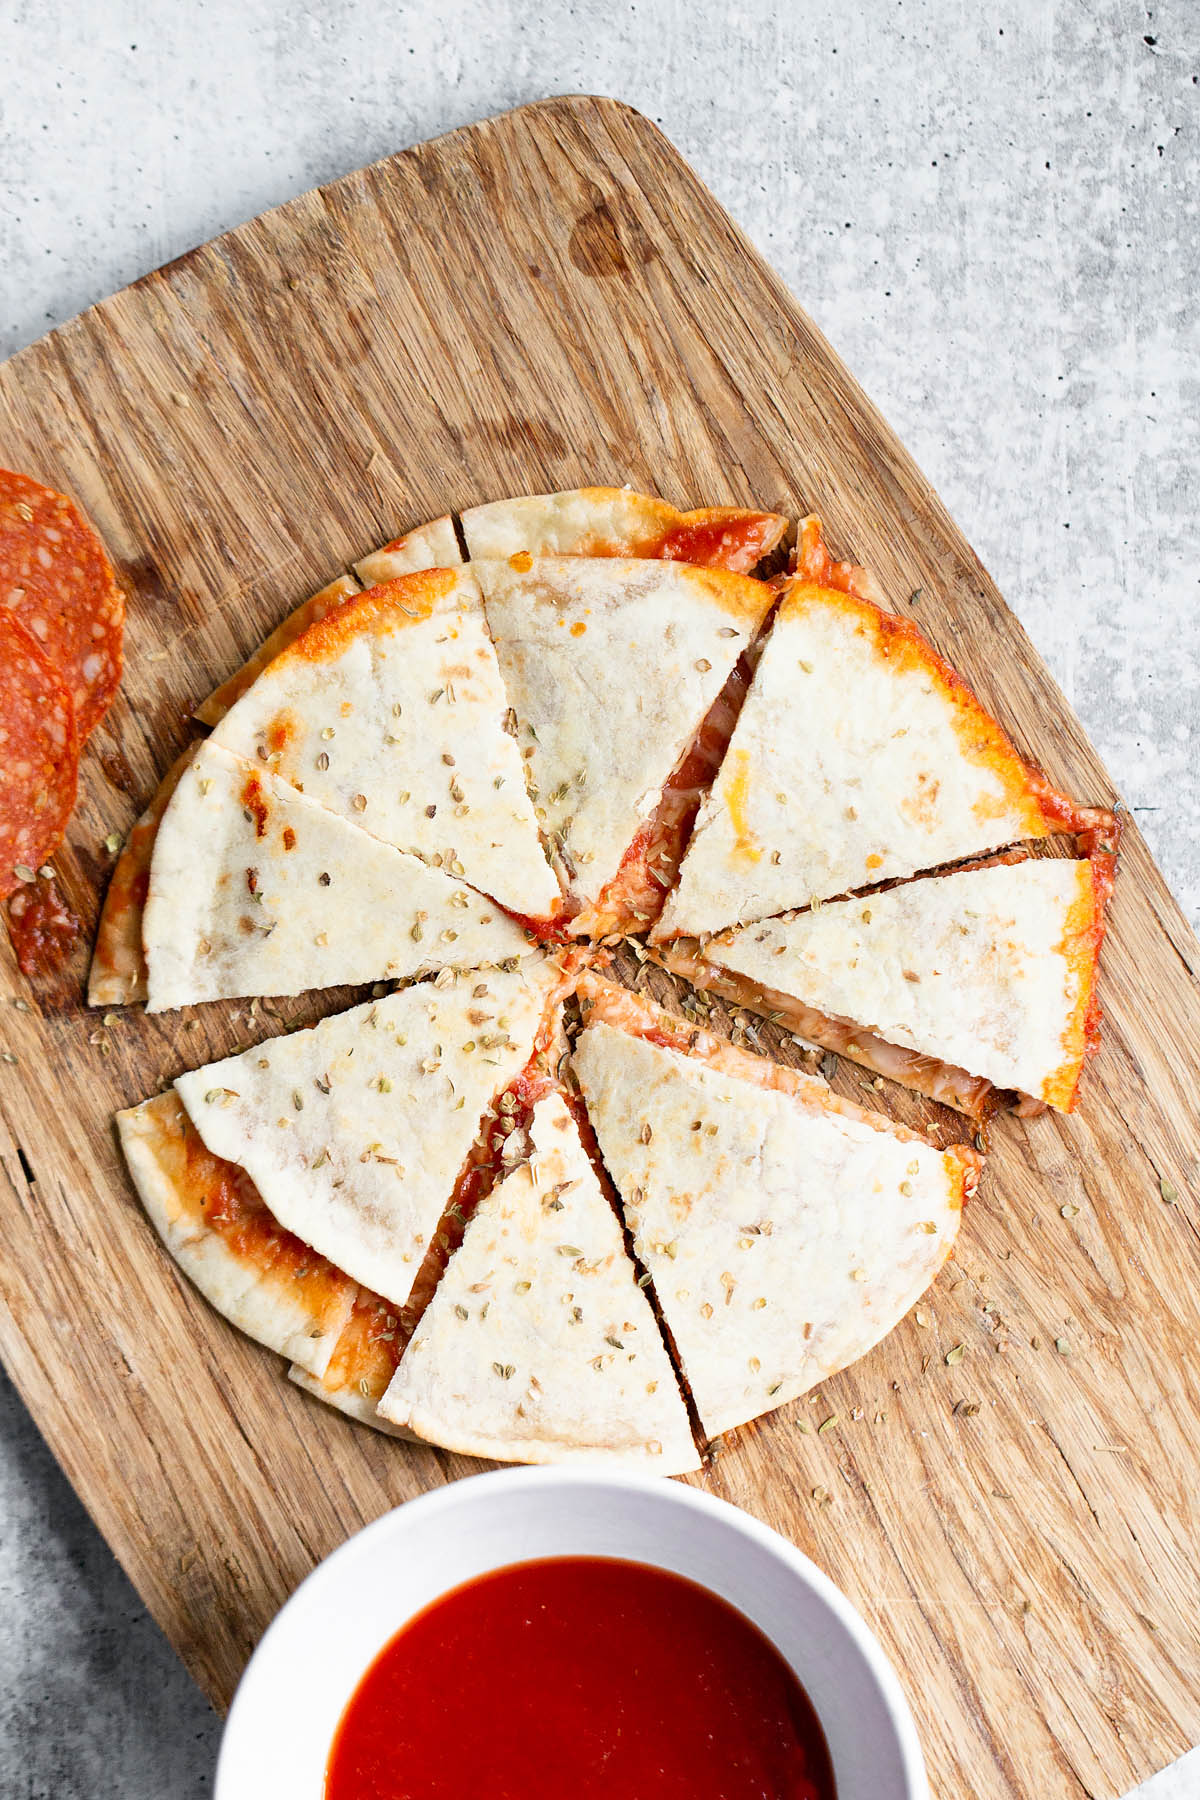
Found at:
[548, 299]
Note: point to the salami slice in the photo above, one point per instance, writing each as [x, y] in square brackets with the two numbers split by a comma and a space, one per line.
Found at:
[39, 755]
[56, 577]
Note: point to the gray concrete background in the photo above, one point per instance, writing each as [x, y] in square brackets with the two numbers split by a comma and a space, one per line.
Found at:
[991, 210]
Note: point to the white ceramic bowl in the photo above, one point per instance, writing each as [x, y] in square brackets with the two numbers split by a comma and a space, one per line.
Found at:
[286, 1710]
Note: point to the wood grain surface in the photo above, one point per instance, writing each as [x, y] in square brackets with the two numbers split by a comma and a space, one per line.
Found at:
[547, 299]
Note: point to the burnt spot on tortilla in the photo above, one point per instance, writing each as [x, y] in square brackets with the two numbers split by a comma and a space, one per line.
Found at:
[282, 729]
[255, 803]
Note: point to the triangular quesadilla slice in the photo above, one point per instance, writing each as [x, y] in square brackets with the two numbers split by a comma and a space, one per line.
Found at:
[611, 666]
[599, 521]
[213, 1221]
[117, 975]
[118, 971]
[970, 987]
[254, 889]
[391, 712]
[859, 757]
[786, 1230]
[432, 546]
[538, 1345]
[310, 612]
[356, 1131]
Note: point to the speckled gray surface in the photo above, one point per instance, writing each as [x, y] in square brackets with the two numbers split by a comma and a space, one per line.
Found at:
[992, 212]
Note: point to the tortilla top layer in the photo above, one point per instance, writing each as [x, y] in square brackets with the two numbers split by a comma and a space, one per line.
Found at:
[859, 757]
[611, 666]
[784, 1237]
[391, 712]
[538, 1345]
[990, 969]
[606, 521]
[431, 546]
[255, 889]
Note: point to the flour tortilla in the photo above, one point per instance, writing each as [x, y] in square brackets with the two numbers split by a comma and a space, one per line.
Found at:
[363, 1172]
[117, 975]
[310, 612]
[538, 1345]
[255, 889]
[432, 546]
[256, 1275]
[785, 1233]
[391, 713]
[989, 969]
[859, 757]
[611, 666]
[598, 521]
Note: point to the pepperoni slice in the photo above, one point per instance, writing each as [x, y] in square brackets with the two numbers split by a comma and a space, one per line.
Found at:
[56, 577]
[39, 755]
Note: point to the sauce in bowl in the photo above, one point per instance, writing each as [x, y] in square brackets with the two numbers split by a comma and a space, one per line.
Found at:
[584, 1677]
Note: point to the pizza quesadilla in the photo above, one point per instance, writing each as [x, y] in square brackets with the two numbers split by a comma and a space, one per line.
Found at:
[432, 774]
[964, 985]
[391, 712]
[601, 742]
[598, 521]
[538, 1345]
[213, 1221]
[785, 1229]
[859, 757]
[254, 889]
[355, 1132]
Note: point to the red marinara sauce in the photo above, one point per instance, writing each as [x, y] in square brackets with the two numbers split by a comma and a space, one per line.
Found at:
[580, 1676]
